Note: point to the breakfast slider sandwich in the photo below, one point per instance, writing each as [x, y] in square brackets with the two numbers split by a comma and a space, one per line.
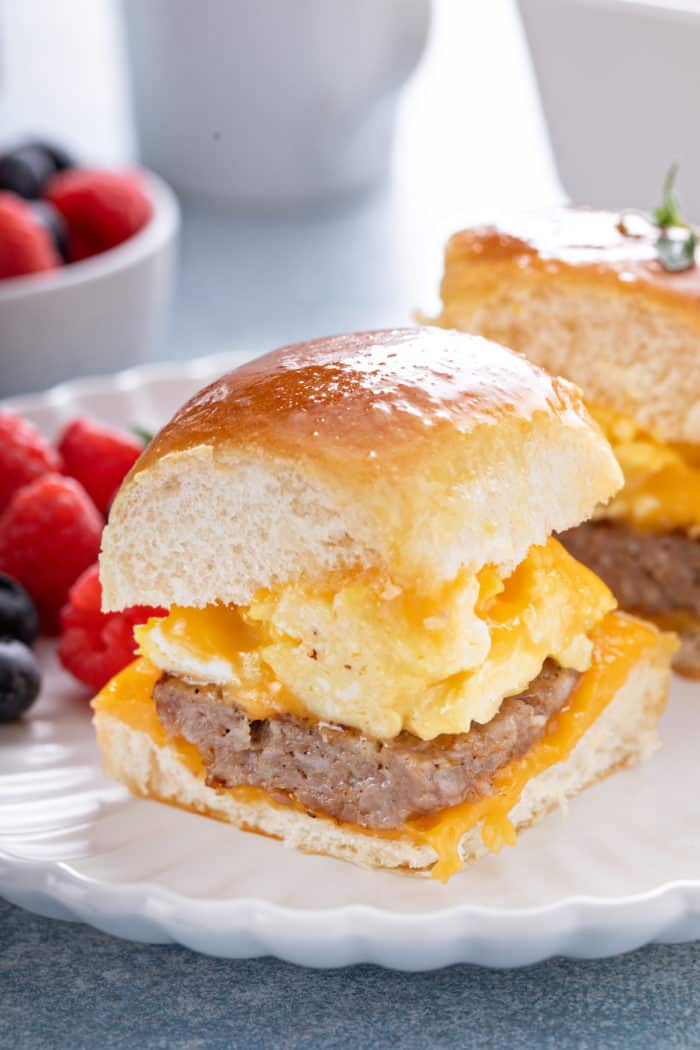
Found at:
[374, 648]
[598, 297]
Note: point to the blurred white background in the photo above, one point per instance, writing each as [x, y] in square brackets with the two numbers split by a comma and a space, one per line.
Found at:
[470, 141]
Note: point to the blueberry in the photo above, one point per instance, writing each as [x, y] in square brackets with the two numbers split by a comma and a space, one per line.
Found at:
[18, 616]
[19, 679]
[60, 157]
[54, 224]
[27, 168]
[26, 171]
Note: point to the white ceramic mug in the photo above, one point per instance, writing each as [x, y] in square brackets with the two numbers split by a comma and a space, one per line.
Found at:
[270, 101]
[620, 85]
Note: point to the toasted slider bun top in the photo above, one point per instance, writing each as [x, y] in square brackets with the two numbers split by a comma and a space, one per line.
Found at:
[589, 301]
[415, 453]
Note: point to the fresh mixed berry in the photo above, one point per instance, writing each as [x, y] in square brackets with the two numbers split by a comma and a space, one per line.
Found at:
[94, 646]
[49, 532]
[99, 457]
[26, 168]
[100, 208]
[53, 212]
[26, 246]
[18, 615]
[25, 454]
[53, 503]
[20, 679]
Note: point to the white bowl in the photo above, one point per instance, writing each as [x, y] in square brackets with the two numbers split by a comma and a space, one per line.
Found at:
[619, 83]
[93, 316]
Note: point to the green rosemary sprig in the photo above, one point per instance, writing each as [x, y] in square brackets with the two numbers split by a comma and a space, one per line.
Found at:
[145, 435]
[677, 241]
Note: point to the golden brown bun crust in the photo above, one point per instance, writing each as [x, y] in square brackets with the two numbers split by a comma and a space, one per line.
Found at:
[414, 452]
[577, 296]
[378, 394]
[581, 244]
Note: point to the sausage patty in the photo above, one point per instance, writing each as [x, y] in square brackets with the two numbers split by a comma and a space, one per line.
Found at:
[648, 573]
[337, 771]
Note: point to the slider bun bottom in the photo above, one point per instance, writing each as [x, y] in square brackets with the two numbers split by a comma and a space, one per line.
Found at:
[624, 734]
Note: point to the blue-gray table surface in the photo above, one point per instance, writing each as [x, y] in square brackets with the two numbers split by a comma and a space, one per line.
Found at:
[64, 985]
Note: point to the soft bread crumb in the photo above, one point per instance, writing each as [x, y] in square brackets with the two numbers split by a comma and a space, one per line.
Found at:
[204, 526]
[626, 351]
[417, 452]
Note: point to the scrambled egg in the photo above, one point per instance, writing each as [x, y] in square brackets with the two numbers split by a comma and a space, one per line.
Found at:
[369, 655]
[662, 481]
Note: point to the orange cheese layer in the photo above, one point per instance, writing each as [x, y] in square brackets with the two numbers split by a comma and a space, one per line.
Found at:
[220, 634]
[129, 697]
[619, 641]
[662, 481]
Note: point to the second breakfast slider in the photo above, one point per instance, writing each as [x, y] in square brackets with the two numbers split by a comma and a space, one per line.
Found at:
[595, 296]
[374, 647]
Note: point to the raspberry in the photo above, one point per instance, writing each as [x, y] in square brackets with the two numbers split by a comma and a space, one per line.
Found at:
[101, 208]
[98, 457]
[94, 653]
[24, 455]
[95, 646]
[25, 244]
[49, 532]
[85, 596]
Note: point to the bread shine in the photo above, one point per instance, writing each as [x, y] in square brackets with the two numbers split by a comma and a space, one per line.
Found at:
[580, 297]
[415, 451]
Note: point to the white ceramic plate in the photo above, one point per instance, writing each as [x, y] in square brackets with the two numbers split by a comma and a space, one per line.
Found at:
[620, 870]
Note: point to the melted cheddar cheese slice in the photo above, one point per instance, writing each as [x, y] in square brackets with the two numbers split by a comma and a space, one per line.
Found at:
[618, 643]
[365, 654]
[662, 481]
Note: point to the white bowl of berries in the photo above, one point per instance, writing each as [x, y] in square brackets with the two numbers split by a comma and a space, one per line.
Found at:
[86, 267]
